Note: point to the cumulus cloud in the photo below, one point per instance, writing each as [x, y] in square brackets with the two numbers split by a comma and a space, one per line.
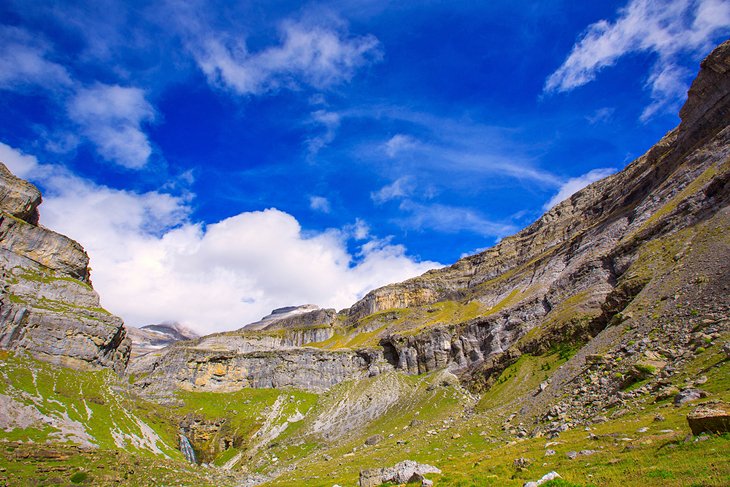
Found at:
[112, 117]
[20, 164]
[573, 185]
[399, 188]
[151, 263]
[664, 27]
[320, 203]
[309, 54]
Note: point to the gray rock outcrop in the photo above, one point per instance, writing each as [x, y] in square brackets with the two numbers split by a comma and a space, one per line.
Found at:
[201, 369]
[47, 304]
[406, 472]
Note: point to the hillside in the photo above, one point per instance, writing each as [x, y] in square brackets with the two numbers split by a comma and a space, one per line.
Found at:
[579, 345]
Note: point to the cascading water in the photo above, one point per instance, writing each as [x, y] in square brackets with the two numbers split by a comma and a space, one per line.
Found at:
[187, 449]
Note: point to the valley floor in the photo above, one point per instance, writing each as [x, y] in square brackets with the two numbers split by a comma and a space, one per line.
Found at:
[87, 429]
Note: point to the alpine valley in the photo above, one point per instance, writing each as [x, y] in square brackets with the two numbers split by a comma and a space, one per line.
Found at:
[590, 348]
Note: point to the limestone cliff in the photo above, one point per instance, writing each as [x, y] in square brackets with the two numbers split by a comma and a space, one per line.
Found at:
[566, 275]
[47, 304]
[564, 279]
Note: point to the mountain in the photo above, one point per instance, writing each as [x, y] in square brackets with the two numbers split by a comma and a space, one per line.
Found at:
[155, 337]
[306, 314]
[595, 343]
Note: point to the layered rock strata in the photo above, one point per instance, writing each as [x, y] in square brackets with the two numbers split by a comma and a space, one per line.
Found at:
[47, 304]
[194, 369]
[565, 278]
[569, 273]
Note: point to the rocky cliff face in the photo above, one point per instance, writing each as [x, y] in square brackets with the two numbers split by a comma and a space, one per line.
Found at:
[564, 279]
[568, 274]
[199, 369]
[47, 305]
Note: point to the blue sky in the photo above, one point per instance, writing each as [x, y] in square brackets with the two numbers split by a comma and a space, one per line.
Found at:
[220, 159]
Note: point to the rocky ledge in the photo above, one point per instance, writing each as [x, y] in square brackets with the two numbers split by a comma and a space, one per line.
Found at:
[47, 304]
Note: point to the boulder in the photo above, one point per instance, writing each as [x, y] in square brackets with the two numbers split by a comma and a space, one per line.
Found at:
[689, 394]
[544, 479]
[404, 472]
[710, 418]
[374, 440]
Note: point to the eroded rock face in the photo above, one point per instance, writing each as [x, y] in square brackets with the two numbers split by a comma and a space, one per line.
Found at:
[572, 271]
[19, 198]
[47, 305]
[564, 279]
[185, 367]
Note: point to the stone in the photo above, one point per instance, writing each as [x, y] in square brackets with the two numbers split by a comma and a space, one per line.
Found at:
[521, 462]
[687, 395]
[544, 479]
[666, 393]
[374, 440]
[711, 417]
[402, 473]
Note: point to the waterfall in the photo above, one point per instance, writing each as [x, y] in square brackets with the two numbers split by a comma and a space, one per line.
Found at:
[187, 449]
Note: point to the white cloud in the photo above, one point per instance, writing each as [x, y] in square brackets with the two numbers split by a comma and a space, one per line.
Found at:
[399, 143]
[152, 264]
[400, 188]
[20, 164]
[451, 219]
[112, 117]
[308, 54]
[573, 185]
[24, 62]
[664, 27]
[320, 203]
[360, 230]
[331, 122]
[602, 115]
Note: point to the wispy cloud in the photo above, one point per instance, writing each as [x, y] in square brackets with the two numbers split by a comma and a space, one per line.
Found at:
[310, 54]
[330, 121]
[601, 115]
[25, 62]
[664, 27]
[320, 203]
[399, 143]
[451, 219]
[112, 117]
[399, 188]
[449, 151]
[573, 185]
